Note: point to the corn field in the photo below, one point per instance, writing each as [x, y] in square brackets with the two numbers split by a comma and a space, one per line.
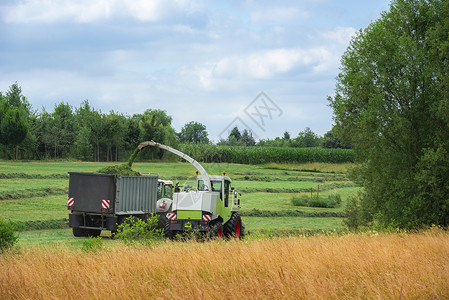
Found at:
[262, 155]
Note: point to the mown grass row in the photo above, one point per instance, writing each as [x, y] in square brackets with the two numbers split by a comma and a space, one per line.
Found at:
[33, 176]
[35, 192]
[262, 155]
[44, 224]
[292, 178]
[292, 213]
[323, 188]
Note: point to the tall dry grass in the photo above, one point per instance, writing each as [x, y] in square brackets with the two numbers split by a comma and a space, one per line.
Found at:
[410, 266]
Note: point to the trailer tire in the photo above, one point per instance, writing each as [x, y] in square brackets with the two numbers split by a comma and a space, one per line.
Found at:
[93, 232]
[234, 227]
[79, 232]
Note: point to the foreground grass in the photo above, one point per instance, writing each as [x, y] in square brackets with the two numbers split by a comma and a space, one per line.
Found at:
[386, 266]
[297, 224]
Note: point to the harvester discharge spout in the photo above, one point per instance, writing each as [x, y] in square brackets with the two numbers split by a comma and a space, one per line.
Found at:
[180, 154]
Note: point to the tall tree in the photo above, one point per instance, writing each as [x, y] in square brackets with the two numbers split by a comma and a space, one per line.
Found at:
[63, 129]
[156, 125]
[391, 103]
[235, 133]
[13, 128]
[193, 132]
[14, 117]
[247, 138]
[307, 138]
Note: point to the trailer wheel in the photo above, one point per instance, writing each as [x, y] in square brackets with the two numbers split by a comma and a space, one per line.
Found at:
[234, 227]
[79, 232]
[93, 232]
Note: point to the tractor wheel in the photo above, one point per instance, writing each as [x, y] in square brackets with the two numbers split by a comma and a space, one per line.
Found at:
[215, 229]
[234, 227]
[168, 232]
[79, 232]
[161, 221]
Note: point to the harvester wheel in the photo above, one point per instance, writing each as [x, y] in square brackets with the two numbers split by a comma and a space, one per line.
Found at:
[234, 227]
[216, 229]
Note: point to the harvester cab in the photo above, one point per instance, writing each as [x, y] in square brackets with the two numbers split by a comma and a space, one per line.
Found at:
[212, 208]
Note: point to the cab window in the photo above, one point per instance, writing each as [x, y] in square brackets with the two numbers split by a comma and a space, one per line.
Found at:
[216, 186]
[168, 192]
[159, 190]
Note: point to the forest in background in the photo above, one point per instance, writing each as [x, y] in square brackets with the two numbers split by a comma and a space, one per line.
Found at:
[87, 134]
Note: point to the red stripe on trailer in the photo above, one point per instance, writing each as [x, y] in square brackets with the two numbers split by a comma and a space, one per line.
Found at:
[105, 204]
[171, 216]
[70, 201]
[207, 217]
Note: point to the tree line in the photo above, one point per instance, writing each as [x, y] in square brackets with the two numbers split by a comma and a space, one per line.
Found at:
[87, 134]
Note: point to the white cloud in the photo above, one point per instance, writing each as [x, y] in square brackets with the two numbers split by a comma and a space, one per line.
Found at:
[87, 11]
[278, 14]
[261, 65]
[339, 35]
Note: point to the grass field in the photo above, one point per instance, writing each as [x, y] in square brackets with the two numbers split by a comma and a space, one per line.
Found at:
[370, 266]
[284, 257]
[37, 191]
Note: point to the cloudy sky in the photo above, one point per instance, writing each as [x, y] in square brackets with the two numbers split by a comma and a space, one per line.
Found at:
[267, 66]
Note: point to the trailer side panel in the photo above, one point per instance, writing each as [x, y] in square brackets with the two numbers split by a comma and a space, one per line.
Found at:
[136, 194]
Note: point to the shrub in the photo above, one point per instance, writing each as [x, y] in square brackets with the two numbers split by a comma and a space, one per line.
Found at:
[93, 244]
[356, 214]
[8, 236]
[135, 229]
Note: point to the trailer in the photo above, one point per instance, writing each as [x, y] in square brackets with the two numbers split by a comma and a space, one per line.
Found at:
[103, 201]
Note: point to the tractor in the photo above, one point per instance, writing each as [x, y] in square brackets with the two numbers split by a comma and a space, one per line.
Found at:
[212, 208]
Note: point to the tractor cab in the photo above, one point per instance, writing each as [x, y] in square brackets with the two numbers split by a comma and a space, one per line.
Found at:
[164, 189]
[164, 196]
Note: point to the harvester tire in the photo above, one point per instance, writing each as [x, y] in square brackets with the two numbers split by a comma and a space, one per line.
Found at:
[216, 229]
[234, 227]
[79, 232]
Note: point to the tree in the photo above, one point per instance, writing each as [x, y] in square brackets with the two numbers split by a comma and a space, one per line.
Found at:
[14, 115]
[13, 128]
[193, 132]
[235, 133]
[331, 141]
[156, 125]
[391, 103]
[247, 138]
[307, 138]
[63, 129]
